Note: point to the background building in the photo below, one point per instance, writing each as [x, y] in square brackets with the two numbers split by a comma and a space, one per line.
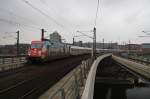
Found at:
[146, 48]
[101, 45]
[12, 49]
[79, 43]
[55, 37]
[136, 47]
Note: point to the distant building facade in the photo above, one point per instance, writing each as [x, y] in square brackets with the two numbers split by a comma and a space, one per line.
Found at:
[12, 49]
[135, 47]
[146, 48]
[79, 43]
[101, 45]
[55, 37]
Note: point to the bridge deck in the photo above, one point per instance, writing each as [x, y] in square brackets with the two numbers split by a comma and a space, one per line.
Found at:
[136, 68]
[117, 78]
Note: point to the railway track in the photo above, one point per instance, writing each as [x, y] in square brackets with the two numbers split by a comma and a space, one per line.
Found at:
[30, 84]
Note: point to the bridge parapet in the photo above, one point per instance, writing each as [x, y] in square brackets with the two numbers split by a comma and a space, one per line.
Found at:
[137, 68]
[11, 62]
[89, 86]
[72, 85]
[139, 59]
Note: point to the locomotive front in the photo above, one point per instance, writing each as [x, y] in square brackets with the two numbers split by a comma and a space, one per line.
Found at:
[36, 51]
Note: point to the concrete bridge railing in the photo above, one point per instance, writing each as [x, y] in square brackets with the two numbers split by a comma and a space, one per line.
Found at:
[11, 62]
[141, 70]
[77, 84]
[89, 86]
[72, 85]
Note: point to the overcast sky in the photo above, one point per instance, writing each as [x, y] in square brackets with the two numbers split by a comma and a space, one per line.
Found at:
[118, 20]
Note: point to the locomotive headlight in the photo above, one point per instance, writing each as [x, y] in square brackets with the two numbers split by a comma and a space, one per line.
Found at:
[39, 52]
[29, 53]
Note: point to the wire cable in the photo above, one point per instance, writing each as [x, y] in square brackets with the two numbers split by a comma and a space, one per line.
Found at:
[56, 14]
[85, 34]
[16, 23]
[146, 32]
[41, 12]
[46, 15]
[96, 13]
[21, 17]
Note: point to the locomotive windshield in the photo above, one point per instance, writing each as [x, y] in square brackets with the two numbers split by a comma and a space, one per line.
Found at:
[36, 45]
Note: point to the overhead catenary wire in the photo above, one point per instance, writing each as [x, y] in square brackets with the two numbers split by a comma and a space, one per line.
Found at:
[17, 23]
[96, 16]
[20, 17]
[33, 24]
[85, 34]
[42, 13]
[54, 11]
[146, 32]
[46, 15]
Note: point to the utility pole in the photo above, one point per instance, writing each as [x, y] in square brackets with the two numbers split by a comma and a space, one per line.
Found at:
[73, 41]
[17, 43]
[93, 51]
[94, 43]
[103, 43]
[42, 35]
[111, 45]
[129, 47]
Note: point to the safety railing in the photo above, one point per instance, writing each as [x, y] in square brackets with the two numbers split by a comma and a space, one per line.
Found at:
[140, 70]
[138, 59]
[71, 86]
[11, 62]
[89, 86]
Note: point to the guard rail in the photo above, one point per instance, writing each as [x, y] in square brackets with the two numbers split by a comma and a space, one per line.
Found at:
[89, 86]
[139, 69]
[138, 59]
[11, 62]
[71, 86]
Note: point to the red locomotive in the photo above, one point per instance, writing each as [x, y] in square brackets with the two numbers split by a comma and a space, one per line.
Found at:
[45, 50]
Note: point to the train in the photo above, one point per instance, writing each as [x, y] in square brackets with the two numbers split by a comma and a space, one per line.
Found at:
[45, 50]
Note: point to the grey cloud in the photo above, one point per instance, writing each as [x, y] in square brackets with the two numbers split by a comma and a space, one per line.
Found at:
[117, 18]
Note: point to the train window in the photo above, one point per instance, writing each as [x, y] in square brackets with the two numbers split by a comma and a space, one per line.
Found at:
[48, 46]
[36, 45]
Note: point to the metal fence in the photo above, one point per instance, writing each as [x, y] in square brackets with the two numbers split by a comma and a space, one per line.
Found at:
[11, 62]
[74, 84]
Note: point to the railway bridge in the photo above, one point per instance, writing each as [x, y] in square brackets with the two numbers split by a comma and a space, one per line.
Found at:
[76, 77]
